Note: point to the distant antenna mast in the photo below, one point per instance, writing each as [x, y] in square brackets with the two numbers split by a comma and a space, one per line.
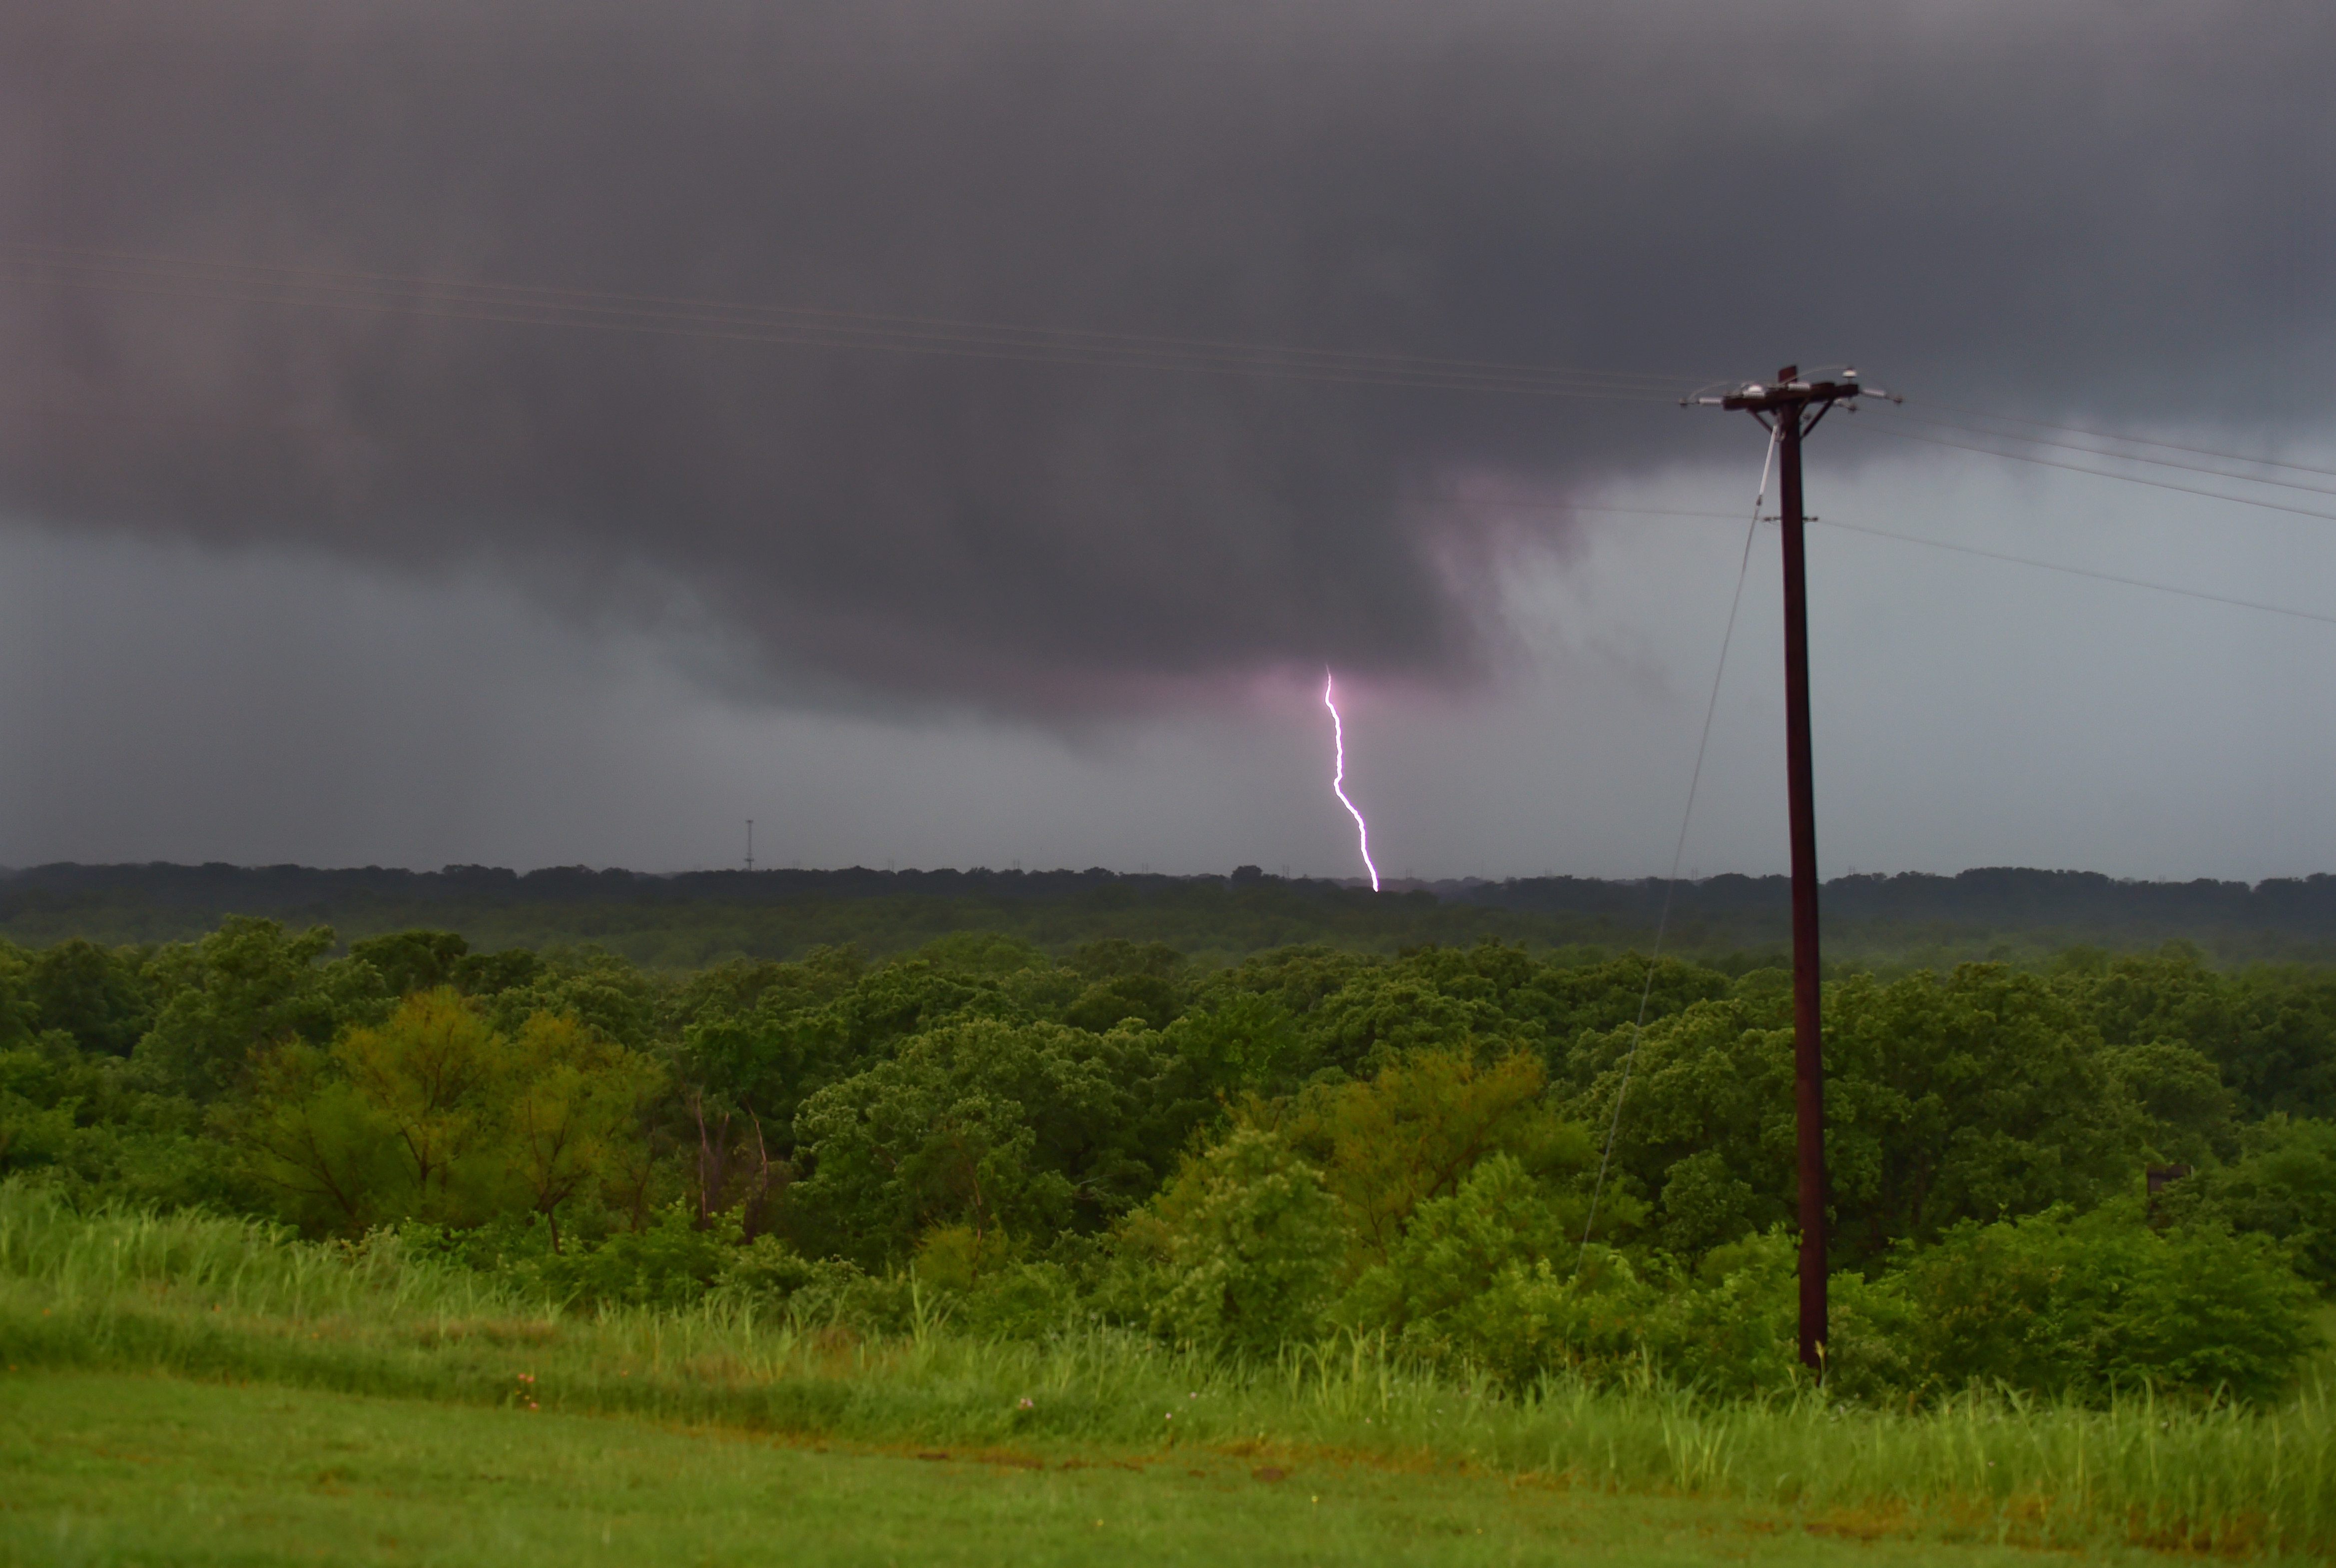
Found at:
[750, 843]
[1790, 406]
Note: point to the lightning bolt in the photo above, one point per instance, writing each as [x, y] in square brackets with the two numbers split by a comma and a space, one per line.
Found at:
[1339, 780]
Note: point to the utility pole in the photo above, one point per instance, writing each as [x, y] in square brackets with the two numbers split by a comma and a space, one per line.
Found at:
[1790, 407]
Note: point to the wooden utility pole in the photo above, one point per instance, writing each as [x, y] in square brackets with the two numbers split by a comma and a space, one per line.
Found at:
[1790, 407]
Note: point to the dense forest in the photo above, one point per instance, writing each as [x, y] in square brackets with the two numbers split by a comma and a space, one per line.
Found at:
[697, 919]
[1239, 1154]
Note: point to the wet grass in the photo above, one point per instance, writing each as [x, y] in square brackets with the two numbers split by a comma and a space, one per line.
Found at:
[107, 1468]
[233, 1302]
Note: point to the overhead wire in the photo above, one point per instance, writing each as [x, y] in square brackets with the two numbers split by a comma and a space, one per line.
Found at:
[2077, 570]
[2004, 556]
[551, 296]
[809, 326]
[816, 327]
[1881, 429]
[1967, 427]
[2129, 440]
[925, 344]
[1679, 850]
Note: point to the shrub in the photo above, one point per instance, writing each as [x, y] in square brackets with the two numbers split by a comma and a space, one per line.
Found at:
[1735, 1329]
[2086, 1306]
[1248, 1242]
[1021, 1301]
[671, 1262]
[2282, 1185]
[1473, 1285]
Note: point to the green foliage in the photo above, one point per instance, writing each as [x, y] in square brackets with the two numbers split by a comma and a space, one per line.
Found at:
[671, 1262]
[986, 1123]
[1413, 1133]
[1247, 1244]
[2270, 1032]
[90, 1124]
[1964, 1098]
[98, 997]
[232, 1303]
[437, 1115]
[2284, 1186]
[37, 1120]
[1449, 1283]
[599, 989]
[2087, 1306]
[246, 987]
[415, 960]
[980, 1133]
[1967, 1096]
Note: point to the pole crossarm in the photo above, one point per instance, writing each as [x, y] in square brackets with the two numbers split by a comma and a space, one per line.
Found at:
[1790, 390]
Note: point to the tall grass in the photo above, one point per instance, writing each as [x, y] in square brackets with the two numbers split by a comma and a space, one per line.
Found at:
[202, 1296]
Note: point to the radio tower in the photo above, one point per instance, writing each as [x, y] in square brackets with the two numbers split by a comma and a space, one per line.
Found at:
[1790, 407]
[750, 843]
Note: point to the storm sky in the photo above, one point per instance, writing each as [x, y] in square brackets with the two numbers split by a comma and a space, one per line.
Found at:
[417, 443]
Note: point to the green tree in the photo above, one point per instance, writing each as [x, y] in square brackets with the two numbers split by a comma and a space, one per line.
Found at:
[1413, 1133]
[2282, 1185]
[93, 995]
[1447, 1261]
[598, 987]
[19, 1013]
[570, 1117]
[413, 960]
[1983, 1093]
[434, 1114]
[2271, 1032]
[1246, 1241]
[2089, 1304]
[312, 1138]
[248, 985]
[985, 1124]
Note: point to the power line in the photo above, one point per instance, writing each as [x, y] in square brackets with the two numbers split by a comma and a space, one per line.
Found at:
[1966, 549]
[550, 297]
[2096, 472]
[1998, 555]
[2081, 571]
[2132, 440]
[924, 345]
[1629, 511]
[1972, 429]
[527, 304]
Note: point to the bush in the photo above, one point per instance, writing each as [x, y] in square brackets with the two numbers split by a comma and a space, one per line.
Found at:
[1248, 1242]
[1473, 1285]
[1022, 1302]
[1735, 1329]
[2087, 1306]
[671, 1262]
[2284, 1186]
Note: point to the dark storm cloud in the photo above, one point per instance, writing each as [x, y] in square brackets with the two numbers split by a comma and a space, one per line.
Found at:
[2117, 208]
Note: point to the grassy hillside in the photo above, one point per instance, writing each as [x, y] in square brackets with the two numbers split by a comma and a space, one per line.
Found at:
[105, 1468]
[112, 1468]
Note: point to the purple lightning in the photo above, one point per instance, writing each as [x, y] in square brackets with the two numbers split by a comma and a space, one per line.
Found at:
[1339, 781]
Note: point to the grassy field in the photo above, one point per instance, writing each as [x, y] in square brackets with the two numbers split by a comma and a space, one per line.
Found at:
[222, 1317]
[112, 1468]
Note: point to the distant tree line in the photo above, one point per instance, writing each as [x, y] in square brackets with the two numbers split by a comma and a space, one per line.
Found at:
[1238, 1154]
[692, 919]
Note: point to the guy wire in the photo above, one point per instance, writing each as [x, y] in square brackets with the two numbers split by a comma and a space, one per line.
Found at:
[1679, 852]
